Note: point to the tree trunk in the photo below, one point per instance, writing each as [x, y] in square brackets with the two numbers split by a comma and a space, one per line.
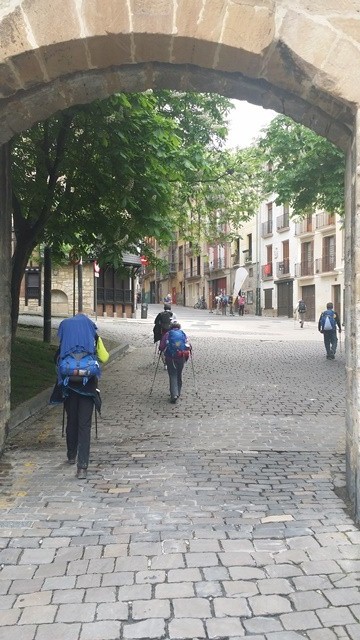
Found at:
[20, 259]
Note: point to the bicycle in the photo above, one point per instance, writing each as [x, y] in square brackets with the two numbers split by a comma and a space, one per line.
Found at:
[200, 304]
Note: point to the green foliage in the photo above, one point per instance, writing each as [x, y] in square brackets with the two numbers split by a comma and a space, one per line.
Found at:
[32, 369]
[307, 170]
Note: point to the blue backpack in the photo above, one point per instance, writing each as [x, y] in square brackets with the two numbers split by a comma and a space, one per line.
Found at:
[176, 345]
[328, 322]
[78, 367]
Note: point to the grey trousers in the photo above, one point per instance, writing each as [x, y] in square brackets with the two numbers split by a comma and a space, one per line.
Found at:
[174, 368]
[79, 409]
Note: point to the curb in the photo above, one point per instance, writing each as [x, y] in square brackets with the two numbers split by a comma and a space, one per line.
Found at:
[41, 401]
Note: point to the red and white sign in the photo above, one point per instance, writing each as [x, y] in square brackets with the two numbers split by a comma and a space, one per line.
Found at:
[96, 269]
[144, 261]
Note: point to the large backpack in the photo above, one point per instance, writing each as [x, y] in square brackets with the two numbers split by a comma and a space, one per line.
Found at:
[78, 367]
[165, 320]
[328, 322]
[302, 307]
[176, 345]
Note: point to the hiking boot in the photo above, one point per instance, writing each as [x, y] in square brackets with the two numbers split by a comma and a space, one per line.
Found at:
[71, 460]
[173, 400]
[81, 474]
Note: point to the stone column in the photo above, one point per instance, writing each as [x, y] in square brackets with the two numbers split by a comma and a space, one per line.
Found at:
[352, 319]
[5, 296]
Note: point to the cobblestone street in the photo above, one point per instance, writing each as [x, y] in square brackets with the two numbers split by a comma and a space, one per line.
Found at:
[219, 517]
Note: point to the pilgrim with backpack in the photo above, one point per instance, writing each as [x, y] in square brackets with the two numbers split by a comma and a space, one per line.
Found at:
[328, 323]
[175, 347]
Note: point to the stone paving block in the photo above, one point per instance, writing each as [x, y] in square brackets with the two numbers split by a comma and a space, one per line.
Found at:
[26, 586]
[282, 571]
[113, 579]
[335, 616]
[191, 608]
[17, 572]
[186, 629]
[57, 543]
[112, 611]
[244, 588]
[114, 550]
[9, 617]
[309, 583]
[145, 549]
[262, 624]
[7, 602]
[321, 634]
[68, 596]
[27, 633]
[91, 580]
[101, 594]
[150, 577]
[238, 545]
[320, 567]
[340, 596]
[307, 600]
[136, 563]
[206, 589]
[101, 565]
[353, 631]
[169, 561]
[104, 630]
[80, 612]
[77, 568]
[134, 592]
[9, 556]
[142, 609]
[216, 573]
[232, 559]
[51, 570]
[175, 590]
[175, 546]
[203, 545]
[38, 615]
[269, 605]
[274, 585]
[40, 598]
[246, 573]
[184, 575]
[65, 582]
[146, 629]
[201, 559]
[231, 607]
[224, 627]
[355, 609]
[284, 635]
[300, 621]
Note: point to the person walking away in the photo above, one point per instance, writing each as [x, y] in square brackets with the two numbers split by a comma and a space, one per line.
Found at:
[231, 305]
[224, 303]
[218, 303]
[162, 322]
[301, 310]
[241, 303]
[78, 337]
[328, 321]
[176, 349]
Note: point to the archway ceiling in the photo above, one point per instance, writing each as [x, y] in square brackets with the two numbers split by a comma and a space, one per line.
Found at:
[291, 56]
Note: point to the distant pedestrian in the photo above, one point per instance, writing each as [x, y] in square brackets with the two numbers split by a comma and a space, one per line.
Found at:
[328, 322]
[218, 303]
[231, 305]
[176, 349]
[163, 321]
[301, 310]
[168, 299]
[241, 303]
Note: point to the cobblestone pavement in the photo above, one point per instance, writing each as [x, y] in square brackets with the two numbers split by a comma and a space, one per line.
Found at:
[219, 517]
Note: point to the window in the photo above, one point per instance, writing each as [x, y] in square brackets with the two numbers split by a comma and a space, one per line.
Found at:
[181, 258]
[249, 297]
[268, 298]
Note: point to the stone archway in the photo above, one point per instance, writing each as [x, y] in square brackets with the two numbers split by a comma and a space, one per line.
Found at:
[292, 56]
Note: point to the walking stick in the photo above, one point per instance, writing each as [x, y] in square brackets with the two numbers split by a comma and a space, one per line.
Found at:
[193, 370]
[340, 332]
[63, 422]
[157, 366]
[156, 346]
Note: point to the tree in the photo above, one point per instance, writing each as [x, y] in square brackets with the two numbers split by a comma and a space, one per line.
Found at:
[307, 171]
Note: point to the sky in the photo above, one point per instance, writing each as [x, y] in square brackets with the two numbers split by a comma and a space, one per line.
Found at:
[246, 121]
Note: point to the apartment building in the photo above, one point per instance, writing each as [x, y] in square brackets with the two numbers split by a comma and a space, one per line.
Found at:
[281, 260]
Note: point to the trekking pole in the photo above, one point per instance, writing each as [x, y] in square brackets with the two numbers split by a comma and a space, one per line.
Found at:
[96, 425]
[155, 351]
[340, 332]
[157, 366]
[193, 370]
[63, 422]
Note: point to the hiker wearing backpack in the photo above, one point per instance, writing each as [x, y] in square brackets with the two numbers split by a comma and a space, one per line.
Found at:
[328, 321]
[162, 322]
[176, 349]
[301, 309]
[78, 371]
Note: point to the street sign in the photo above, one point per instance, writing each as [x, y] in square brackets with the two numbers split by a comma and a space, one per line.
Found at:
[144, 261]
[96, 269]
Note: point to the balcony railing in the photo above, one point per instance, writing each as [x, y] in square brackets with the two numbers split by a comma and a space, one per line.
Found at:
[305, 268]
[324, 220]
[304, 226]
[283, 268]
[324, 264]
[282, 222]
[267, 270]
[266, 228]
[192, 273]
[219, 263]
[172, 267]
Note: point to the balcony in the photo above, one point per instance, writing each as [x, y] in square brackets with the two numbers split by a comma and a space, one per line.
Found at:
[282, 222]
[172, 267]
[283, 268]
[267, 271]
[303, 269]
[324, 220]
[235, 260]
[218, 264]
[266, 228]
[325, 264]
[304, 227]
[206, 269]
[192, 273]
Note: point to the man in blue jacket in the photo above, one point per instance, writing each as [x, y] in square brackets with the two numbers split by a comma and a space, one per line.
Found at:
[327, 326]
